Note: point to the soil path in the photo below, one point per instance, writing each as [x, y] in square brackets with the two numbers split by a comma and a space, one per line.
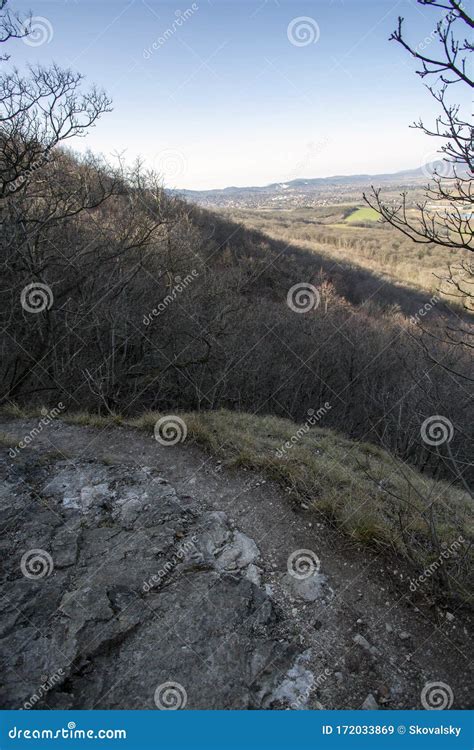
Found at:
[363, 638]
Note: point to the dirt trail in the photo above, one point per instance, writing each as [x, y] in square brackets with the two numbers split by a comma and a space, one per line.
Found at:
[360, 638]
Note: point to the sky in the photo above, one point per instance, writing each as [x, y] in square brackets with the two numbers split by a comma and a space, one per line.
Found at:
[215, 93]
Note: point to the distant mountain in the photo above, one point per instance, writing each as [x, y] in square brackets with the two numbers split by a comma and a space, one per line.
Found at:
[410, 174]
[294, 192]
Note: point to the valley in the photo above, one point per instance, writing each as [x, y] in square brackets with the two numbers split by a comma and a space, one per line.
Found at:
[353, 234]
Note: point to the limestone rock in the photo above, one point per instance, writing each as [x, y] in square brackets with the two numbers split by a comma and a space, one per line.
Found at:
[144, 587]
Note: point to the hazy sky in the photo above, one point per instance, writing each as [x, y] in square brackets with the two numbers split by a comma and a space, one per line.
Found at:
[241, 92]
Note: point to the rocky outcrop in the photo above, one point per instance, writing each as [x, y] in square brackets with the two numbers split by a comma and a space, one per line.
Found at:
[119, 593]
[118, 589]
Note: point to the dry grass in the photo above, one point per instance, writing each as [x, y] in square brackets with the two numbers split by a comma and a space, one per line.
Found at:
[6, 441]
[84, 418]
[371, 496]
[94, 420]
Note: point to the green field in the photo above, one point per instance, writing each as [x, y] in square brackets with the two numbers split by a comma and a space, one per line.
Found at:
[363, 214]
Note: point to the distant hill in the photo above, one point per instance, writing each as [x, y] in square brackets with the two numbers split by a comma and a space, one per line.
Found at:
[294, 191]
[316, 181]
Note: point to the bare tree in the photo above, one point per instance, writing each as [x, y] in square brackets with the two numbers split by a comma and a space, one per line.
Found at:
[37, 113]
[445, 217]
[12, 26]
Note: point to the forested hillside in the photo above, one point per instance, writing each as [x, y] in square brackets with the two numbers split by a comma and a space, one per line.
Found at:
[117, 297]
